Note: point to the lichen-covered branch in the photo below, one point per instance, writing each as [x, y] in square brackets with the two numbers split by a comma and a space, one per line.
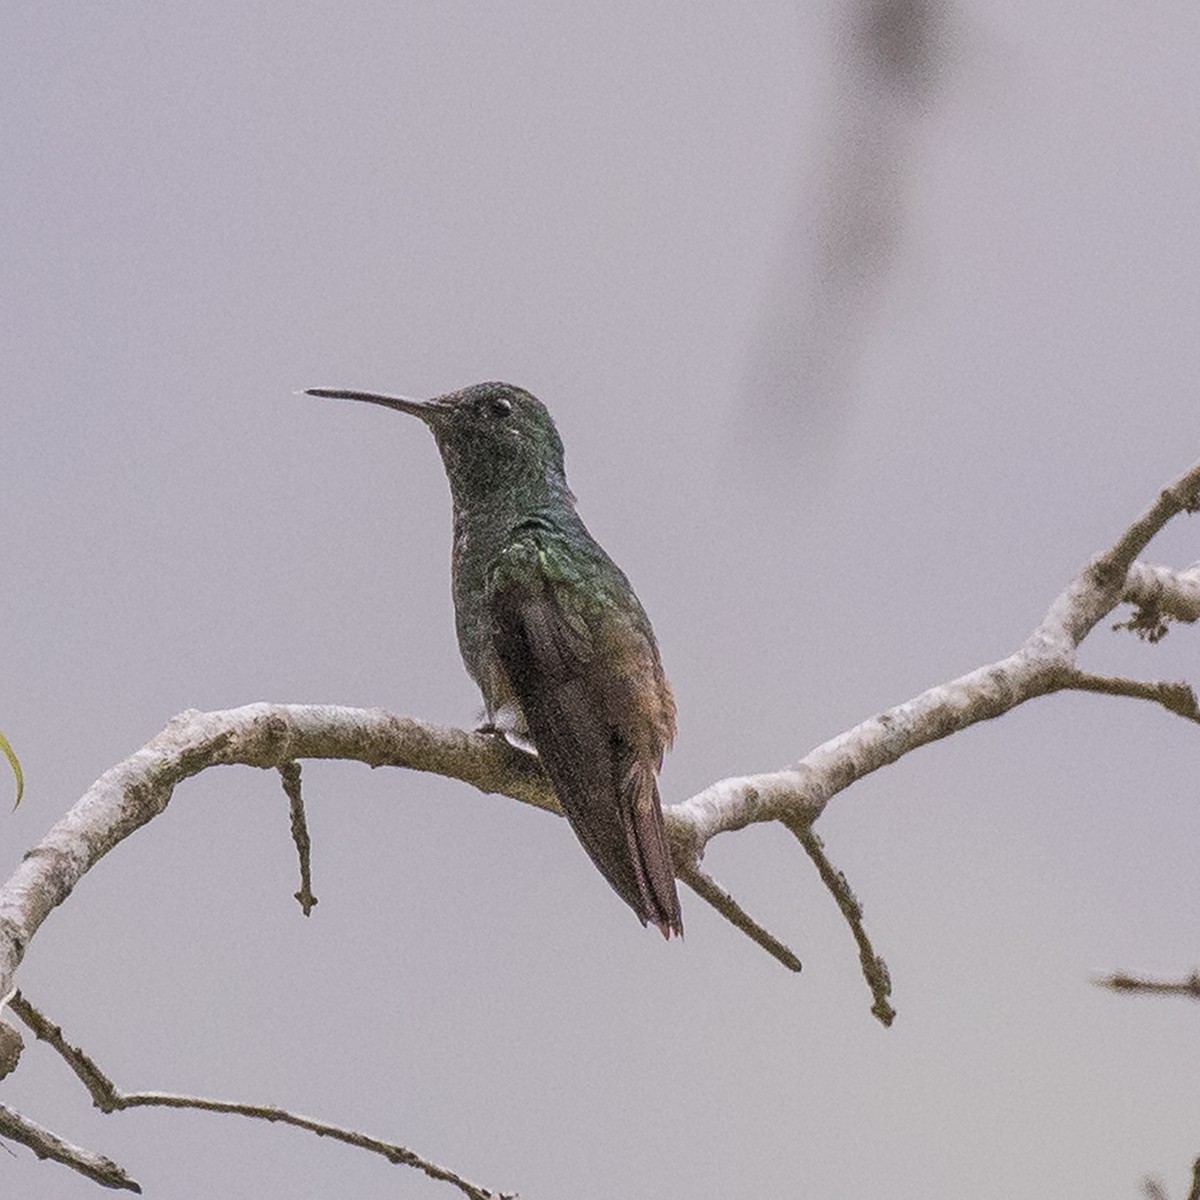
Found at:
[1045, 662]
[1159, 596]
[270, 736]
[273, 736]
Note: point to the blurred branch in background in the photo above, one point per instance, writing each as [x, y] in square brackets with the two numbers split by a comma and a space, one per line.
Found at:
[890, 56]
[1119, 981]
[1153, 1189]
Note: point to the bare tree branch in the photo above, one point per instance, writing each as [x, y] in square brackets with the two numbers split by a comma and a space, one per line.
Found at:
[1043, 663]
[270, 736]
[45, 1144]
[108, 1098]
[259, 735]
[276, 735]
[99, 1086]
[392, 1151]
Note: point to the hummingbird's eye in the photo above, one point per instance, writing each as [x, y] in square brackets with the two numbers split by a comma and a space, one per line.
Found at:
[499, 406]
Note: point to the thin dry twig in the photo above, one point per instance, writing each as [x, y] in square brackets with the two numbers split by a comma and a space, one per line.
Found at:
[1178, 698]
[708, 889]
[99, 1086]
[392, 1151]
[289, 772]
[874, 969]
[108, 1098]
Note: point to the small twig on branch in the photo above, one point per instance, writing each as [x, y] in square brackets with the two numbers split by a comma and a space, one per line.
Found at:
[289, 772]
[874, 969]
[707, 888]
[45, 1144]
[1119, 981]
[108, 1098]
[1177, 697]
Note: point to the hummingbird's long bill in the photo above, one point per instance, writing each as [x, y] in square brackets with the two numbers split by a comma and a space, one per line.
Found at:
[418, 408]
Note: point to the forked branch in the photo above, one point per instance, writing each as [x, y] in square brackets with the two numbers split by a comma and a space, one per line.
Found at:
[275, 736]
[108, 1098]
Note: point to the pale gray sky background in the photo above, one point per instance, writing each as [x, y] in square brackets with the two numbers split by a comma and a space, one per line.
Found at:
[852, 377]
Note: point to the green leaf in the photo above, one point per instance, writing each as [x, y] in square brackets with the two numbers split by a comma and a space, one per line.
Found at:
[15, 763]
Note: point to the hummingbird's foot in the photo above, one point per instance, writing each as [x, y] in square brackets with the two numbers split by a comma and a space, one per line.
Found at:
[507, 735]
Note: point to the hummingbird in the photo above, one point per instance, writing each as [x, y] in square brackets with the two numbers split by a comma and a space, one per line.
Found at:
[552, 632]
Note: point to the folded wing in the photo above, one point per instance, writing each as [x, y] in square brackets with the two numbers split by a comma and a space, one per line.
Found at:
[598, 708]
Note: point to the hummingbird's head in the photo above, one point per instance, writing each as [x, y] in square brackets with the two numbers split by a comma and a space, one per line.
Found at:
[495, 439]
